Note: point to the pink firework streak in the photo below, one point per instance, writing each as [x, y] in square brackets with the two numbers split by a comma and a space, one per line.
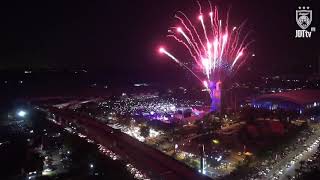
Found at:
[217, 49]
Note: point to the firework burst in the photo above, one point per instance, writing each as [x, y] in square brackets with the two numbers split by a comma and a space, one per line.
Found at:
[216, 49]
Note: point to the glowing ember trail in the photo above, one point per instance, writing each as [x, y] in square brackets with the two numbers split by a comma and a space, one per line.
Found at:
[217, 50]
[162, 50]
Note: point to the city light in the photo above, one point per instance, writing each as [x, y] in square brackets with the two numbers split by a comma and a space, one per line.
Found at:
[91, 166]
[215, 141]
[215, 105]
[21, 113]
[46, 172]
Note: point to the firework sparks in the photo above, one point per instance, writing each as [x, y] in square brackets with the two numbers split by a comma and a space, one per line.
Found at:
[216, 49]
[162, 50]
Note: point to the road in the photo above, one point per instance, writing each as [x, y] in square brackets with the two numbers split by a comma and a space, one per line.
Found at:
[302, 153]
[157, 164]
[291, 170]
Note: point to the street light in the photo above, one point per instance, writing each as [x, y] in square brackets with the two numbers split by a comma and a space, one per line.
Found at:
[91, 166]
[22, 113]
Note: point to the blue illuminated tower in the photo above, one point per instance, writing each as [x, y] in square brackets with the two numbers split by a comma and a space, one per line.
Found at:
[215, 94]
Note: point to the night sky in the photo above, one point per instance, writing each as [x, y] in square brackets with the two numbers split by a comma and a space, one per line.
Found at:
[123, 36]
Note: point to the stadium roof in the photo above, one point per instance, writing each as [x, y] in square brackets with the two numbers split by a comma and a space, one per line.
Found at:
[301, 97]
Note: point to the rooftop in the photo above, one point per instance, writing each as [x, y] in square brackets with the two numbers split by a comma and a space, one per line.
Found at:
[301, 97]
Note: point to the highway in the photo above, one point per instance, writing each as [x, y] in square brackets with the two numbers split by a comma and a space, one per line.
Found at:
[286, 166]
[155, 163]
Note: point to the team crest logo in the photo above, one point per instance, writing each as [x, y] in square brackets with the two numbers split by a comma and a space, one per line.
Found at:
[304, 17]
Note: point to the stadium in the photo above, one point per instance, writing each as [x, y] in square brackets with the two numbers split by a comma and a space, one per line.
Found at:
[302, 101]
